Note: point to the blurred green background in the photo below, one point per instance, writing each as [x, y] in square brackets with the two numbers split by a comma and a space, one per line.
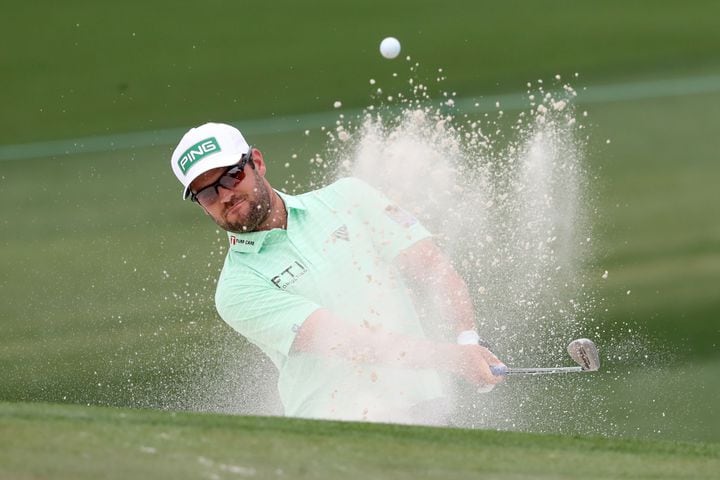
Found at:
[107, 278]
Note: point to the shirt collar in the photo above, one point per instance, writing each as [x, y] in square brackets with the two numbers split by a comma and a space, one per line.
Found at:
[292, 202]
[252, 242]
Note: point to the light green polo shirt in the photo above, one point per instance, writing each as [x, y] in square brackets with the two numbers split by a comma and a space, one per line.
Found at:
[336, 253]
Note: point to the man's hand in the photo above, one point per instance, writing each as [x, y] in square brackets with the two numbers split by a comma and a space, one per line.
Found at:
[472, 363]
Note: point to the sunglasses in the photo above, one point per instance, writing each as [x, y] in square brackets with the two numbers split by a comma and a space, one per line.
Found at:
[233, 175]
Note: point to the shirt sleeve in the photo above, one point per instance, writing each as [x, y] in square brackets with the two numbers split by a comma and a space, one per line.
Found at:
[265, 315]
[393, 229]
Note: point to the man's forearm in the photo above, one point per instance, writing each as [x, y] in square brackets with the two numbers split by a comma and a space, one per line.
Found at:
[326, 334]
[430, 270]
[452, 292]
[323, 333]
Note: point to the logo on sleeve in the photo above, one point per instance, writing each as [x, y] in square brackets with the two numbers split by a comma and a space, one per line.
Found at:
[400, 216]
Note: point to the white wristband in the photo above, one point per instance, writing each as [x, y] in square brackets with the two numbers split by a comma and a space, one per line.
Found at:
[468, 337]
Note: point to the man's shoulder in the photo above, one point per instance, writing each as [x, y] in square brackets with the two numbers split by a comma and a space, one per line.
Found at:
[349, 184]
[237, 270]
[237, 274]
[347, 188]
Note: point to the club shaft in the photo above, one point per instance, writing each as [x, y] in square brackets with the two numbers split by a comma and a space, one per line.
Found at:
[542, 371]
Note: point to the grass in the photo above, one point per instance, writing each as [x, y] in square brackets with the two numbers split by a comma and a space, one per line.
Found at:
[657, 238]
[81, 72]
[51, 441]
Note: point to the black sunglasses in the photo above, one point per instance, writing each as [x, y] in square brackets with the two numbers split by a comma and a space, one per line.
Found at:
[233, 175]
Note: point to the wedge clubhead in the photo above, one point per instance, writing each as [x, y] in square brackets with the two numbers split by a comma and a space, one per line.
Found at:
[585, 354]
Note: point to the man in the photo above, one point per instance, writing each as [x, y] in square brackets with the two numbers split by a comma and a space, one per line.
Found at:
[320, 283]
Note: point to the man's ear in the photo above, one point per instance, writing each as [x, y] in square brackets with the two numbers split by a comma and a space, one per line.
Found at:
[259, 162]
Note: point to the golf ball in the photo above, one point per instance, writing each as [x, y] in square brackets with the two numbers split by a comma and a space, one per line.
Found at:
[390, 47]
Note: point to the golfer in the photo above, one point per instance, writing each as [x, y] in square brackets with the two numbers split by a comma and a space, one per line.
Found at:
[321, 283]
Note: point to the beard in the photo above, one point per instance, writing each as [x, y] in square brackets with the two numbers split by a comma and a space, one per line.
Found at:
[258, 205]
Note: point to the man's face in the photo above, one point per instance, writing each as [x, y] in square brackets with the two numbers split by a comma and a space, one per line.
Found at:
[245, 206]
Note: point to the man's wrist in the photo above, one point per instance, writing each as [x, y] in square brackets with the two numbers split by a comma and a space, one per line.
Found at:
[471, 337]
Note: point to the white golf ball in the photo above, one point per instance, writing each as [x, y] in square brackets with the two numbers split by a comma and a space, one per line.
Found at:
[390, 47]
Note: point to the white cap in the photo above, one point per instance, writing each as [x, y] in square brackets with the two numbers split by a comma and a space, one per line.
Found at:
[203, 148]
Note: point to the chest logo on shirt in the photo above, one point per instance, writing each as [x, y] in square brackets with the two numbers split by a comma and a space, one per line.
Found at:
[290, 275]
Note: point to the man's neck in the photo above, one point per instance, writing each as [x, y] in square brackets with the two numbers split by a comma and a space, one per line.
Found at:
[277, 217]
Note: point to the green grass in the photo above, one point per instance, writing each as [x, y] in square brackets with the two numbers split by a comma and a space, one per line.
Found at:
[51, 441]
[658, 235]
[98, 68]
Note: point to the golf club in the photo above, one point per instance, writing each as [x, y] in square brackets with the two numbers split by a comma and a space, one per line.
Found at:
[582, 351]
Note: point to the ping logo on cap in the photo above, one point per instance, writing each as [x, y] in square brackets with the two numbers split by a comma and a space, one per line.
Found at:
[197, 152]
